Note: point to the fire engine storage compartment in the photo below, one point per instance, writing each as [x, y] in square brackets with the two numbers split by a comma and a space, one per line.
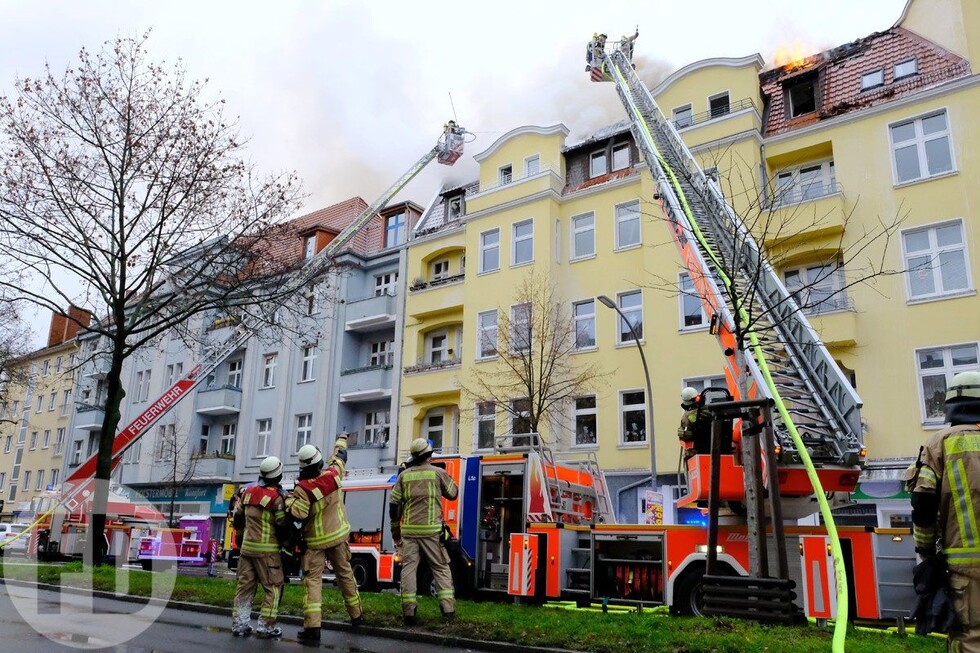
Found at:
[629, 568]
[501, 513]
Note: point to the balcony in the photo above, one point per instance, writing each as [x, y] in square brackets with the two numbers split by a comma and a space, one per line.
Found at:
[365, 383]
[419, 284]
[98, 367]
[216, 467]
[801, 219]
[797, 194]
[440, 298]
[422, 366]
[89, 417]
[509, 189]
[219, 400]
[835, 321]
[721, 112]
[370, 314]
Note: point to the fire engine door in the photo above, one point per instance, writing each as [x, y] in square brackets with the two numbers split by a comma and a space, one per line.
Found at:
[819, 581]
[501, 514]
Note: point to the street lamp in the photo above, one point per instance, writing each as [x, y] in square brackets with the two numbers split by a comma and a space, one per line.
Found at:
[605, 301]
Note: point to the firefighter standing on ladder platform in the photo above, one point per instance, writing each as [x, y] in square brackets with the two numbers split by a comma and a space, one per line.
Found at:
[416, 527]
[261, 515]
[945, 499]
[316, 502]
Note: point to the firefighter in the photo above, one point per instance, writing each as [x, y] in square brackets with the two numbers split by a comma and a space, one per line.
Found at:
[260, 518]
[690, 431]
[319, 506]
[945, 497]
[417, 526]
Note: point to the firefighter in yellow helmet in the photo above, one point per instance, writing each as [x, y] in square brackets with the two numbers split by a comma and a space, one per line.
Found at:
[945, 500]
[416, 526]
[318, 506]
[261, 516]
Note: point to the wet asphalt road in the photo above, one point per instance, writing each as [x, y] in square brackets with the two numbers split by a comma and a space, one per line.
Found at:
[54, 623]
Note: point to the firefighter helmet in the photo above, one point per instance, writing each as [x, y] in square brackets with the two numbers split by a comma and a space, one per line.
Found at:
[308, 455]
[420, 448]
[965, 385]
[689, 397]
[270, 468]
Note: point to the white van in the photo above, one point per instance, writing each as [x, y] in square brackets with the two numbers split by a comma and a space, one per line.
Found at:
[9, 532]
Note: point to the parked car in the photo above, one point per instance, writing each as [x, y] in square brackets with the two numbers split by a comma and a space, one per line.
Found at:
[9, 532]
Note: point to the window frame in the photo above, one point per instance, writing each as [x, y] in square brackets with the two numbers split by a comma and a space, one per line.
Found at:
[623, 407]
[382, 353]
[235, 374]
[576, 230]
[795, 192]
[880, 72]
[480, 418]
[626, 311]
[948, 369]
[595, 156]
[536, 160]
[809, 81]
[270, 362]
[307, 370]
[680, 110]
[439, 269]
[396, 229]
[619, 147]
[578, 412]
[430, 347]
[586, 317]
[515, 324]
[689, 294]
[517, 240]
[379, 430]
[618, 220]
[837, 300]
[919, 141]
[485, 248]
[481, 330]
[386, 283]
[262, 435]
[505, 174]
[915, 68]
[717, 96]
[699, 383]
[428, 429]
[933, 254]
[309, 247]
[304, 430]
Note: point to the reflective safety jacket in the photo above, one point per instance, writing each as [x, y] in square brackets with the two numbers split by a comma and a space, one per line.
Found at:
[950, 464]
[264, 512]
[418, 491]
[318, 504]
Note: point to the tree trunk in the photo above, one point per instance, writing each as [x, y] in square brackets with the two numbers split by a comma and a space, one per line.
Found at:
[97, 546]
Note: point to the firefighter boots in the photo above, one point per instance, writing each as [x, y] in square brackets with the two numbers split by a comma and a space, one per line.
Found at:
[309, 636]
[357, 621]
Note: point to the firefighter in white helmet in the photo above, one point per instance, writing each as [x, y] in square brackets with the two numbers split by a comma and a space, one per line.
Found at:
[318, 506]
[261, 515]
[945, 500]
[692, 421]
[417, 524]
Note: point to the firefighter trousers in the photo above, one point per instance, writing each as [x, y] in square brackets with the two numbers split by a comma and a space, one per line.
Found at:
[265, 570]
[314, 561]
[964, 586]
[412, 550]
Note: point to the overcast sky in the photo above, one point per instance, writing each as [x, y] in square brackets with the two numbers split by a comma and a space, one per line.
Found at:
[350, 94]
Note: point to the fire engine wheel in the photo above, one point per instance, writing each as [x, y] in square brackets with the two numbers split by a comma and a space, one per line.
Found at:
[363, 569]
[688, 599]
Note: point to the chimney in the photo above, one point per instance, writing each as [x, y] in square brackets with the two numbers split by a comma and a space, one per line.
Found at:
[66, 327]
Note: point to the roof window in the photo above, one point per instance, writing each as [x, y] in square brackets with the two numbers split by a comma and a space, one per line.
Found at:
[873, 79]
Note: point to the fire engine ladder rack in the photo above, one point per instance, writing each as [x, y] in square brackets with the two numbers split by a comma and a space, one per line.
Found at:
[447, 149]
[587, 463]
[819, 401]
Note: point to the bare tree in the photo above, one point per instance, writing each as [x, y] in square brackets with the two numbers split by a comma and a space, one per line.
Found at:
[535, 372]
[124, 190]
[15, 344]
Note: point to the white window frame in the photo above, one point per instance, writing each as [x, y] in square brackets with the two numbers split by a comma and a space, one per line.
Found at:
[578, 412]
[516, 311]
[229, 432]
[33, 441]
[396, 229]
[3, 479]
[52, 401]
[235, 369]
[599, 155]
[619, 219]
[679, 111]
[57, 363]
[382, 353]
[166, 443]
[142, 385]
[45, 368]
[584, 318]
[40, 405]
[40, 480]
[54, 477]
[263, 433]
[483, 329]
[46, 439]
[686, 291]
[309, 247]
[440, 269]
[431, 349]
[532, 165]
[377, 425]
[454, 208]
[582, 224]
[812, 278]
[308, 366]
[174, 372]
[505, 174]
[948, 369]
[59, 440]
[627, 311]
[623, 408]
[791, 189]
[485, 248]
[873, 79]
[933, 254]
[27, 480]
[618, 148]
[484, 412]
[516, 415]
[76, 452]
[717, 96]
[8, 444]
[915, 69]
[204, 438]
[269, 364]
[919, 141]
[699, 383]
[386, 284]
[428, 429]
[517, 240]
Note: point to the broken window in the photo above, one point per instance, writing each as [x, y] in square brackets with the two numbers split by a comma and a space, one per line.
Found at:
[719, 104]
[802, 98]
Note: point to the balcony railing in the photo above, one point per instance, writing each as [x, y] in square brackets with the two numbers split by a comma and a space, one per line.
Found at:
[796, 194]
[90, 416]
[507, 181]
[219, 400]
[212, 466]
[832, 304]
[705, 116]
[423, 366]
[419, 284]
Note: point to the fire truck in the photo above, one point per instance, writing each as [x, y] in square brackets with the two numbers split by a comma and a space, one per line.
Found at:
[190, 544]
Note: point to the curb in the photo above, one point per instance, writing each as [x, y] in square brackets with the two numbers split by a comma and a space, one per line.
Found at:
[399, 634]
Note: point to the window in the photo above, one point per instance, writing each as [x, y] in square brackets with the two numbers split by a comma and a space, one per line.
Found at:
[228, 433]
[719, 105]
[628, 225]
[45, 368]
[583, 313]
[204, 440]
[455, 208]
[309, 360]
[523, 251]
[621, 156]
[54, 478]
[376, 426]
[59, 441]
[33, 440]
[683, 116]
[263, 433]
[52, 400]
[40, 404]
[631, 304]
[269, 362]
[702, 382]
[3, 479]
[936, 260]
[486, 424]
[40, 480]
[692, 311]
[57, 363]
[385, 284]
[505, 175]
[46, 440]
[532, 165]
[235, 373]
[76, 452]
[440, 269]
[434, 427]
[817, 288]
[585, 420]
[520, 421]
[27, 480]
[490, 250]
[309, 247]
[632, 410]
[142, 385]
[132, 454]
[487, 334]
[906, 68]
[802, 98]
[166, 443]
[382, 353]
[583, 236]
[312, 298]
[395, 230]
[805, 183]
[598, 164]
[921, 147]
[174, 373]
[437, 347]
[8, 443]
[873, 79]
[520, 328]
[935, 368]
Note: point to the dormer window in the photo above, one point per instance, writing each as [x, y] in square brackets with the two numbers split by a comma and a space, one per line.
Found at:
[309, 247]
[598, 164]
[505, 175]
[802, 97]
[455, 208]
[906, 69]
[395, 230]
[621, 156]
[873, 79]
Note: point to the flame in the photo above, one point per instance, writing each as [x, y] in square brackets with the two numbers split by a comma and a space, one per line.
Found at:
[792, 55]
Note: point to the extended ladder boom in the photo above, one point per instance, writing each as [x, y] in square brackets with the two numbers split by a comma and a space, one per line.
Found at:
[447, 150]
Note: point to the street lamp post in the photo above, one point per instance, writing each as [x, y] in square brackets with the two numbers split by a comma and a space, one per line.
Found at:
[605, 301]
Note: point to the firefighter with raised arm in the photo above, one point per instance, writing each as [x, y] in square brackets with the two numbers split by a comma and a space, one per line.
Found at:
[260, 517]
[417, 525]
[945, 487]
[317, 504]
[691, 430]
